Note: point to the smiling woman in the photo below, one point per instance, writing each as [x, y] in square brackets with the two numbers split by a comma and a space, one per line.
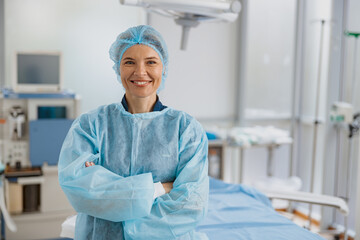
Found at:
[136, 169]
[141, 72]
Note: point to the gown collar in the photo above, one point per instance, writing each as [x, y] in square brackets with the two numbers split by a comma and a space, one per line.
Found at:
[157, 107]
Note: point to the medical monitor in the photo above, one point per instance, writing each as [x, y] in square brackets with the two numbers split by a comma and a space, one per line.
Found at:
[37, 72]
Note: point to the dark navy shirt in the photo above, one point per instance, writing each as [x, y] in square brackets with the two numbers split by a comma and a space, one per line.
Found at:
[157, 107]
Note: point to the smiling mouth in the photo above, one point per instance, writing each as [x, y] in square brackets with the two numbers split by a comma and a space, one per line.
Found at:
[140, 82]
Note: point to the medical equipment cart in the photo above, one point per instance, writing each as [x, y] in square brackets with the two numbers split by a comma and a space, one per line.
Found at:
[33, 128]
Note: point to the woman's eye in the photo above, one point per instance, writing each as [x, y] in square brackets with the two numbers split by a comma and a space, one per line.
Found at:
[151, 62]
[129, 62]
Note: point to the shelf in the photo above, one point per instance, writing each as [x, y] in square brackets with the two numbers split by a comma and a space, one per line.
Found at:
[41, 216]
[217, 143]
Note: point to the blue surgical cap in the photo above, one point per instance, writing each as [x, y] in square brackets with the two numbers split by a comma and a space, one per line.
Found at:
[142, 34]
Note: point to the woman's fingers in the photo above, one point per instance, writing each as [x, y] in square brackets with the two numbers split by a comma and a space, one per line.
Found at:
[168, 186]
[88, 164]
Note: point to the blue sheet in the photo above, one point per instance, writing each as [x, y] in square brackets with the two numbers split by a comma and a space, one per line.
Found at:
[241, 212]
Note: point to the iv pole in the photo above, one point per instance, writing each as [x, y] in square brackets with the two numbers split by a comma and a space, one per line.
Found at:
[353, 127]
[353, 84]
[316, 121]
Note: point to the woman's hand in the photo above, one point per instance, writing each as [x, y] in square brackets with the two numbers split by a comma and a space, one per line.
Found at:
[89, 164]
[168, 186]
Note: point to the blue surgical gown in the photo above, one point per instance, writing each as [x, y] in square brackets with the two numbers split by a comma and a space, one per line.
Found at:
[114, 198]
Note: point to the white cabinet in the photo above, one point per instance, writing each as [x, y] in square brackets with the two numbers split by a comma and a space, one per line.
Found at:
[54, 209]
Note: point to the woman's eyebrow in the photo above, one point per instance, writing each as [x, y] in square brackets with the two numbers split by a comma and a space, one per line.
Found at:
[148, 58]
[127, 58]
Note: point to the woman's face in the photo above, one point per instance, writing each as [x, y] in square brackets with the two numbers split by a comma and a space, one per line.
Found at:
[141, 71]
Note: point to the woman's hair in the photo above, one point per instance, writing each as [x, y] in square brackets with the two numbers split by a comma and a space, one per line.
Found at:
[142, 34]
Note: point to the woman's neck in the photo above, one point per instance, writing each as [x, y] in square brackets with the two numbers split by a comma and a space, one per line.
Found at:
[140, 105]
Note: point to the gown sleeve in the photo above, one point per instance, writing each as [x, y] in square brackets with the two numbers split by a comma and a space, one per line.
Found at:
[177, 213]
[95, 190]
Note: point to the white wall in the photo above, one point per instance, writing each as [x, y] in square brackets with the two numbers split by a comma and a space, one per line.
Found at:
[201, 79]
[269, 56]
[268, 80]
[315, 11]
[82, 30]
[354, 17]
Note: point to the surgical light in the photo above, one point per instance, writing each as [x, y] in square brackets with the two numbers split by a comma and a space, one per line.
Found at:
[189, 13]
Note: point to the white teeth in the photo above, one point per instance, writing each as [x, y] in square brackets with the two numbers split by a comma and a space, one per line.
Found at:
[140, 83]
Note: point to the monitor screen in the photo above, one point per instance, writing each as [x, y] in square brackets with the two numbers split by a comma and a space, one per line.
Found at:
[38, 72]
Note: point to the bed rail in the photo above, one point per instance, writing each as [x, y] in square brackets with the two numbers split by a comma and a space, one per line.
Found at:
[313, 198]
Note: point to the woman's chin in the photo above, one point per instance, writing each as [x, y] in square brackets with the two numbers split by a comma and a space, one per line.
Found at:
[142, 94]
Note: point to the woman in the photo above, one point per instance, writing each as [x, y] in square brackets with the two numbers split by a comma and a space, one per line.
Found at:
[114, 157]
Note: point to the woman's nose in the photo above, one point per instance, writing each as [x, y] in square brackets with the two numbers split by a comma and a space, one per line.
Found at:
[140, 70]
